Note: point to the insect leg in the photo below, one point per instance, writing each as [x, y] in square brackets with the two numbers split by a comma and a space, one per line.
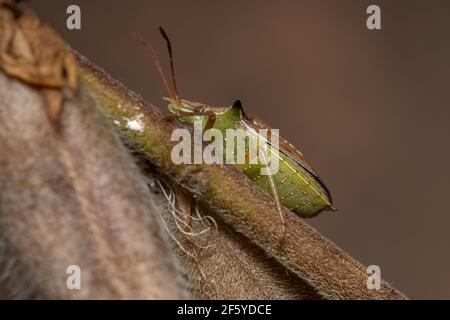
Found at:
[277, 200]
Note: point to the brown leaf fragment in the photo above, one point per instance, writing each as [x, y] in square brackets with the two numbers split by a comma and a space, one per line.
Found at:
[33, 53]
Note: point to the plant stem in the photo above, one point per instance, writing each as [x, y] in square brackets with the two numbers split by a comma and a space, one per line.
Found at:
[238, 201]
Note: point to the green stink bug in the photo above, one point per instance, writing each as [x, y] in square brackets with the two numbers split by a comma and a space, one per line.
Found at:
[295, 185]
[298, 187]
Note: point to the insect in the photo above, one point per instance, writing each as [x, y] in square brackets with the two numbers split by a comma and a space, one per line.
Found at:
[295, 185]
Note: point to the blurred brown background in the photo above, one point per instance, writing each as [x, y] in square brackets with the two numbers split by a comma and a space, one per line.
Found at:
[370, 109]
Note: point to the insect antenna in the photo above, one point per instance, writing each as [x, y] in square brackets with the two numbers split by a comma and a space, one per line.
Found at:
[155, 59]
[172, 66]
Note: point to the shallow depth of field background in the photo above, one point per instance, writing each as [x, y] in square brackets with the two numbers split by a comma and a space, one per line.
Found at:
[369, 109]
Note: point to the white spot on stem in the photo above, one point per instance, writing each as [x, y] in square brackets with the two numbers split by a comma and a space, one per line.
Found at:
[135, 124]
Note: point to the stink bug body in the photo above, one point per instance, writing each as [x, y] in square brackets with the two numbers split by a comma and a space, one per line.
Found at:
[295, 185]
